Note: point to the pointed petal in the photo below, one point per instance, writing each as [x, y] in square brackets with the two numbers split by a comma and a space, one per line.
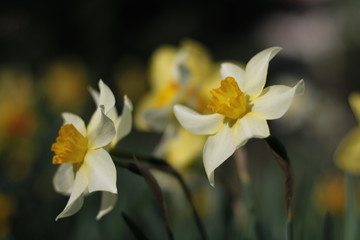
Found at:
[348, 152]
[231, 70]
[250, 126]
[76, 198]
[106, 97]
[256, 71]
[72, 208]
[354, 100]
[197, 123]
[101, 129]
[95, 95]
[108, 201]
[101, 171]
[64, 179]
[79, 124]
[217, 149]
[123, 124]
[111, 112]
[274, 101]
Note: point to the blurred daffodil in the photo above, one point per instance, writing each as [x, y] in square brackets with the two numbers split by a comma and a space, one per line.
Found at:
[86, 166]
[347, 155]
[240, 106]
[122, 123]
[64, 85]
[330, 195]
[176, 76]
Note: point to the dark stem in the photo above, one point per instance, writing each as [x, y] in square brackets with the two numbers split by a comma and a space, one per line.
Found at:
[279, 152]
[163, 166]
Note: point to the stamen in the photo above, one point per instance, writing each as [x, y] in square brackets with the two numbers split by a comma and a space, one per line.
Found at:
[70, 146]
[228, 99]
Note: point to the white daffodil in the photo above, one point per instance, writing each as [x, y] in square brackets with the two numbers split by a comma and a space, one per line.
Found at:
[86, 166]
[240, 109]
[123, 123]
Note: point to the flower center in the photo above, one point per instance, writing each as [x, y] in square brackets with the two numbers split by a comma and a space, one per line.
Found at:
[70, 146]
[228, 99]
[166, 94]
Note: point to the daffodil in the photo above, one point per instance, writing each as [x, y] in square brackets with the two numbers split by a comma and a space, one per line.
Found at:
[176, 76]
[86, 167]
[240, 108]
[347, 155]
[122, 123]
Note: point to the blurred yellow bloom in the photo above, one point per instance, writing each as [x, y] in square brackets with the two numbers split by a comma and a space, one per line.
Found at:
[65, 85]
[18, 122]
[177, 75]
[330, 195]
[7, 209]
[347, 155]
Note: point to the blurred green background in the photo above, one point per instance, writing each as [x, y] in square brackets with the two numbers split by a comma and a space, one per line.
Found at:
[51, 52]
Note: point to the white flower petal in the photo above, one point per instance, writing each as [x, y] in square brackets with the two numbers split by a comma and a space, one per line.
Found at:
[108, 201]
[274, 101]
[101, 129]
[197, 123]
[95, 95]
[106, 97]
[72, 208]
[64, 179]
[79, 124]
[232, 70]
[250, 126]
[256, 71]
[217, 149]
[123, 124]
[101, 171]
[111, 112]
[76, 198]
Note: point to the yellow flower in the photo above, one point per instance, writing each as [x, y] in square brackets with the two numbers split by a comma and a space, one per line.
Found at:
[176, 76]
[240, 106]
[347, 155]
[330, 195]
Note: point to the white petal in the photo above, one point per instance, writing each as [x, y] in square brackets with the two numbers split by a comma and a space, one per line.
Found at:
[76, 198]
[197, 123]
[274, 101]
[70, 118]
[101, 171]
[250, 126]
[95, 95]
[72, 208]
[256, 71]
[231, 70]
[101, 129]
[108, 201]
[110, 112]
[106, 97]
[217, 149]
[123, 124]
[64, 179]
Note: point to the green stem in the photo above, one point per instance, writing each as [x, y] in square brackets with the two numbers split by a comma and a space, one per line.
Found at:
[351, 222]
